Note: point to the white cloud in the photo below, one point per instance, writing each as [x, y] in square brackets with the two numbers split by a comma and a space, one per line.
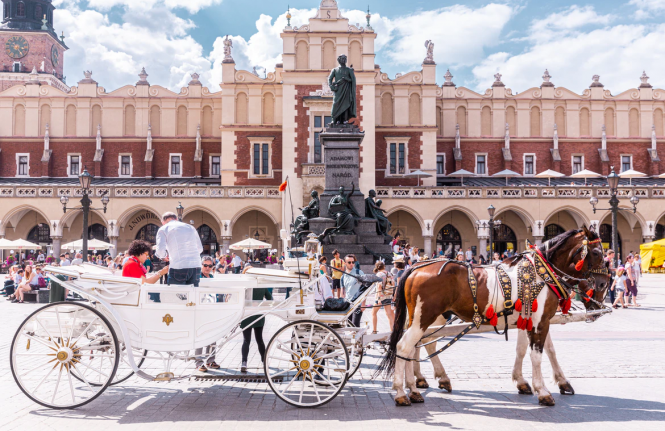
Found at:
[192, 6]
[647, 8]
[567, 22]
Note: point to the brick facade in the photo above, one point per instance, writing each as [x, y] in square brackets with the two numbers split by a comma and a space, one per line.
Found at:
[243, 158]
[302, 125]
[39, 51]
[414, 153]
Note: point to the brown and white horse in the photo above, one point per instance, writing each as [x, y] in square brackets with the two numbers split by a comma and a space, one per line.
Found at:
[428, 292]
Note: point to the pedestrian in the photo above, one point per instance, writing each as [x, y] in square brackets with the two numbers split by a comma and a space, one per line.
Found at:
[138, 253]
[460, 256]
[383, 299]
[496, 260]
[222, 265]
[631, 286]
[181, 243]
[468, 254]
[64, 260]
[41, 257]
[336, 264]
[78, 260]
[619, 285]
[609, 259]
[252, 324]
[352, 286]
[207, 265]
[482, 259]
[236, 263]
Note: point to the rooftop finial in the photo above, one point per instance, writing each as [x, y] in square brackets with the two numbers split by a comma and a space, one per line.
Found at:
[497, 80]
[430, 52]
[288, 15]
[368, 16]
[449, 79]
[228, 45]
[645, 80]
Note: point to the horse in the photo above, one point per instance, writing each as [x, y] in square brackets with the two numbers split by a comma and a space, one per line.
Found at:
[431, 292]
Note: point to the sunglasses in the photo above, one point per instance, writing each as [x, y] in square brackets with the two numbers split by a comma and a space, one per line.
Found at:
[350, 262]
[207, 266]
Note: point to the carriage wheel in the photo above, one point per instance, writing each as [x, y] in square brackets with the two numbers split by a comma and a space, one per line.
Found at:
[124, 371]
[64, 355]
[356, 359]
[313, 373]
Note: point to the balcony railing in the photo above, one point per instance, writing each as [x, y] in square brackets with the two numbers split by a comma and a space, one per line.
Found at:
[143, 192]
[514, 192]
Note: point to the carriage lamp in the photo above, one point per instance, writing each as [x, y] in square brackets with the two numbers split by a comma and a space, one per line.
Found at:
[180, 210]
[85, 179]
[491, 210]
[105, 201]
[613, 181]
[63, 201]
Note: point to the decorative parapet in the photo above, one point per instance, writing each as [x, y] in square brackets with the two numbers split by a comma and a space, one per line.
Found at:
[583, 192]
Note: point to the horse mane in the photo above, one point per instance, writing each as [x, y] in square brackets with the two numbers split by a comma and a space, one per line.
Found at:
[550, 247]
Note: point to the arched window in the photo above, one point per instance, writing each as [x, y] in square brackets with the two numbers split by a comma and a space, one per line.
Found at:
[486, 121]
[40, 234]
[634, 123]
[70, 121]
[504, 239]
[44, 119]
[99, 232]
[130, 120]
[387, 109]
[329, 55]
[302, 55]
[560, 120]
[182, 121]
[20, 9]
[461, 120]
[96, 119]
[584, 122]
[355, 55]
[660, 232]
[241, 108]
[609, 122]
[535, 122]
[449, 240]
[19, 120]
[552, 230]
[510, 119]
[208, 239]
[658, 121]
[148, 233]
[439, 121]
[606, 239]
[38, 13]
[6, 10]
[155, 121]
[268, 108]
[206, 126]
[414, 110]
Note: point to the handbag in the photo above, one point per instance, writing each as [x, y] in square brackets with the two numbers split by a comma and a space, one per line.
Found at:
[336, 304]
[41, 282]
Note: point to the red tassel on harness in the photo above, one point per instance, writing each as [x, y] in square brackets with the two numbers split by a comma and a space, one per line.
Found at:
[589, 294]
[529, 325]
[490, 312]
[534, 306]
[579, 265]
[565, 307]
[518, 305]
[494, 320]
[519, 322]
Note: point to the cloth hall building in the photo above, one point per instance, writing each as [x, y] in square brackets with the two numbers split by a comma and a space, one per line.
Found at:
[224, 154]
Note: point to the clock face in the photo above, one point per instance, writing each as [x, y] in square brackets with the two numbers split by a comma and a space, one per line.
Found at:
[17, 47]
[55, 56]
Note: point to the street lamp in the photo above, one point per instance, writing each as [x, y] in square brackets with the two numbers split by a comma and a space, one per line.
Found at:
[85, 180]
[180, 209]
[491, 224]
[613, 182]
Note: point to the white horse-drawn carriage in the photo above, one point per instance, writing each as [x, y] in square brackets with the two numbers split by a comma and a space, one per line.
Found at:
[66, 354]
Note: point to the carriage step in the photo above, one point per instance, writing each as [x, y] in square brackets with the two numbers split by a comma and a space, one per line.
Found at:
[244, 378]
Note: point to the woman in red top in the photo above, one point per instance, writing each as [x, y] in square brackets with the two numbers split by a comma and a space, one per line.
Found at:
[139, 251]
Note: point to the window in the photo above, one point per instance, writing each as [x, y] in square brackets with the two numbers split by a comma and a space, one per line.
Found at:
[6, 10]
[397, 158]
[215, 165]
[440, 167]
[319, 126]
[38, 12]
[626, 162]
[40, 234]
[176, 169]
[578, 164]
[125, 165]
[16, 68]
[529, 164]
[20, 9]
[481, 164]
[22, 165]
[74, 168]
[260, 157]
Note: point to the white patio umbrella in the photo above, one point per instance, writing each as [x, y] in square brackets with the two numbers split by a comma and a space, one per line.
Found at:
[549, 174]
[19, 244]
[461, 174]
[418, 174]
[250, 244]
[507, 173]
[631, 173]
[661, 176]
[586, 174]
[93, 244]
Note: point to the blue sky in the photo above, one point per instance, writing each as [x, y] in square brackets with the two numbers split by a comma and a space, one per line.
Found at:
[574, 40]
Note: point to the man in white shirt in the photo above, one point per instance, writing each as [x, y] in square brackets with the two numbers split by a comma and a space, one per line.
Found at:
[64, 260]
[78, 260]
[469, 254]
[236, 262]
[41, 258]
[182, 244]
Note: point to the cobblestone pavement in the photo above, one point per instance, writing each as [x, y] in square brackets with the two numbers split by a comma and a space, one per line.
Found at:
[616, 365]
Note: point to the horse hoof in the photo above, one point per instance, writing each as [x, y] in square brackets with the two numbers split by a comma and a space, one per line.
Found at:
[524, 389]
[422, 384]
[415, 397]
[402, 401]
[446, 385]
[566, 389]
[547, 400]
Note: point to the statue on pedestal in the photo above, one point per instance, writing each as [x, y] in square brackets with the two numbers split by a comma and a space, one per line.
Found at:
[342, 82]
[373, 210]
[301, 223]
[312, 209]
[342, 210]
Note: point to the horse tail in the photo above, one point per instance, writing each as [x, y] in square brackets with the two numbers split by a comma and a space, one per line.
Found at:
[387, 365]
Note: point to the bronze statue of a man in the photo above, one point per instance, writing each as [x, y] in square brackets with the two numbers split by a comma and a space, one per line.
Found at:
[342, 82]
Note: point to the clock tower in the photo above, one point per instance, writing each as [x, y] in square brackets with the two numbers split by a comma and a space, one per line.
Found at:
[28, 42]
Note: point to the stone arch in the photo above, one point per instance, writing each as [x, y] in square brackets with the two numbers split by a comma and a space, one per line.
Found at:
[415, 116]
[511, 119]
[96, 119]
[241, 108]
[585, 121]
[633, 123]
[486, 121]
[408, 210]
[472, 216]
[633, 219]
[461, 120]
[302, 55]
[268, 108]
[580, 218]
[535, 122]
[206, 121]
[356, 55]
[155, 120]
[658, 121]
[254, 220]
[527, 218]
[464, 223]
[124, 218]
[70, 120]
[191, 209]
[15, 214]
[130, 120]
[328, 55]
[19, 120]
[609, 122]
[44, 118]
[70, 216]
[387, 109]
[246, 210]
[560, 120]
[181, 121]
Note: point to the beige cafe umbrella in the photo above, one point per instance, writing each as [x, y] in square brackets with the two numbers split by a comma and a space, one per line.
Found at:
[631, 173]
[19, 244]
[418, 174]
[507, 173]
[93, 244]
[250, 244]
[586, 174]
[461, 174]
[549, 174]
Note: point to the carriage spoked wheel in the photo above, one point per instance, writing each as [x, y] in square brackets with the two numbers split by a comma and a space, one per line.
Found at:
[306, 363]
[64, 355]
[124, 370]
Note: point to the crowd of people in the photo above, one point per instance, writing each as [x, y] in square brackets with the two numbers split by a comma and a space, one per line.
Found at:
[625, 279]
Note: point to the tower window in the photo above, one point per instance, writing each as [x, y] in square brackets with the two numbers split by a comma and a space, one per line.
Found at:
[38, 12]
[6, 10]
[20, 9]
[16, 68]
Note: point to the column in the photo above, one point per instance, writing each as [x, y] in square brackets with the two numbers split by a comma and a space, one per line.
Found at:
[538, 240]
[428, 245]
[114, 249]
[482, 247]
[57, 241]
[226, 242]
